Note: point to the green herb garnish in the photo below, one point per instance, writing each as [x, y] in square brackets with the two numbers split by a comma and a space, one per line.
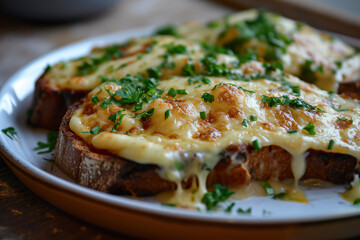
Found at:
[94, 131]
[203, 115]
[331, 144]
[167, 30]
[49, 145]
[310, 128]
[167, 114]
[256, 144]
[244, 123]
[286, 101]
[220, 194]
[268, 188]
[207, 97]
[172, 92]
[179, 166]
[94, 99]
[230, 207]
[145, 115]
[253, 118]
[10, 132]
[242, 211]
[279, 195]
[292, 131]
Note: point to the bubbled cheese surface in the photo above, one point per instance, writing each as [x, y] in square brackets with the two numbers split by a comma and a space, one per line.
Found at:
[184, 133]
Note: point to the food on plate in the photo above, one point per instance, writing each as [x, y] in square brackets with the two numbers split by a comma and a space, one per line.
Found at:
[143, 135]
[250, 35]
[303, 51]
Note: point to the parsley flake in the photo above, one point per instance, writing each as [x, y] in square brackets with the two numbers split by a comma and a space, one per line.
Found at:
[292, 131]
[310, 127]
[207, 97]
[331, 144]
[220, 194]
[49, 146]
[257, 145]
[10, 132]
[267, 188]
[167, 114]
[94, 99]
[242, 211]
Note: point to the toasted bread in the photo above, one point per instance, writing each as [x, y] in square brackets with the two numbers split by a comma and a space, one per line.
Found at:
[240, 164]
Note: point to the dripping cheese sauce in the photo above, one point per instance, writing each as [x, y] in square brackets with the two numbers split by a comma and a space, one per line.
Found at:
[187, 138]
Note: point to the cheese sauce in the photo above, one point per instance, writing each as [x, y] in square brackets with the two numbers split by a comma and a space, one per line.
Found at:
[187, 139]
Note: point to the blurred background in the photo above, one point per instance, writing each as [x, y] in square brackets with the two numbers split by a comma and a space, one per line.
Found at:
[29, 29]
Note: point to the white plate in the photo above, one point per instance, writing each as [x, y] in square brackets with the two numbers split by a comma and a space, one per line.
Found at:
[325, 214]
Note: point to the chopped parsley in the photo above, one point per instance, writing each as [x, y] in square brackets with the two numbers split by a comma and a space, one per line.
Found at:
[48, 146]
[239, 87]
[332, 103]
[207, 97]
[95, 99]
[310, 128]
[169, 204]
[286, 101]
[220, 194]
[331, 144]
[356, 201]
[203, 115]
[229, 208]
[172, 92]
[167, 30]
[188, 70]
[267, 188]
[262, 29]
[308, 72]
[167, 114]
[281, 195]
[154, 73]
[253, 118]
[10, 132]
[195, 80]
[213, 24]
[257, 145]
[145, 115]
[91, 65]
[345, 119]
[176, 49]
[338, 109]
[182, 92]
[292, 131]
[48, 68]
[179, 166]
[244, 123]
[116, 118]
[242, 211]
[94, 131]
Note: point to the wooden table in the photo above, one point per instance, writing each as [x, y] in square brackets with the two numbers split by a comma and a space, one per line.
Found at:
[23, 215]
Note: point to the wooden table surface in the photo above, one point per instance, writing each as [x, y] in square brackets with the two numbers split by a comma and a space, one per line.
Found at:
[23, 215]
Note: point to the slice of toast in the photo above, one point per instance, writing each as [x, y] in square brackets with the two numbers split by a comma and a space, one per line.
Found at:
[115, 145]
[240, 164]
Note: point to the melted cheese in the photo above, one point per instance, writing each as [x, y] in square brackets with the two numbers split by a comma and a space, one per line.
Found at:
[308, 44]
[137, 59]
[186, 138]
